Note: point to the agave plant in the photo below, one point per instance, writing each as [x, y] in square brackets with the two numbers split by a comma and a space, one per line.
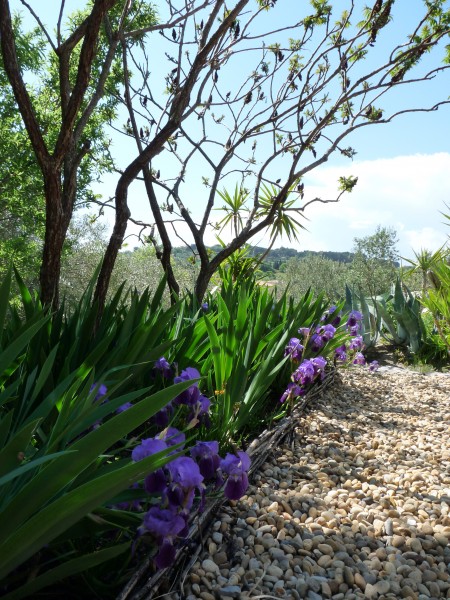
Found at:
[371, 321]
[403, 323]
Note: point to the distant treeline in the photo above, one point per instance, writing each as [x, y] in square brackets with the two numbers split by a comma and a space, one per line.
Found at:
[275, 258]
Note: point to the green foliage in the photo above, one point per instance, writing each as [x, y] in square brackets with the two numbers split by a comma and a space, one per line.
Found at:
[371, 321]
[284, 223]
[240, 267]
[374, 264]
[59, 472]
[234, 208]
[57, 469]
[22, 201]
[401, 317]
[318, 273]
[437, 301]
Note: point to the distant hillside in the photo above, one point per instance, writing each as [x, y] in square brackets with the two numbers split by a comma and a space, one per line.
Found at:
[275, 258]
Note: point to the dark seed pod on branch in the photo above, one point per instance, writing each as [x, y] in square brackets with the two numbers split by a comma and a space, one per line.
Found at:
[398, 76]
[280, 56]
[215, 76]
[228, 144]
[174, 34]
[248, 98]
[377, 7]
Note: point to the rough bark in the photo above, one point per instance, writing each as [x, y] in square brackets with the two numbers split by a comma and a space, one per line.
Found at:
[166, 254]
[62, 164]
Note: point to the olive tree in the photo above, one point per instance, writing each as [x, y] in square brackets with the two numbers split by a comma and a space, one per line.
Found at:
[375, 264]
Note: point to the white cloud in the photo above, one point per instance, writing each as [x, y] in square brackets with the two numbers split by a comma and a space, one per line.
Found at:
[405, 192]
[425, 238]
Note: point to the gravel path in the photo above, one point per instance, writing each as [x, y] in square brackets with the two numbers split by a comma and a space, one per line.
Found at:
[356, 505]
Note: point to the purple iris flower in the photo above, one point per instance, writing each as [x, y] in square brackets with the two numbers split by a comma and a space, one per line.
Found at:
[166, 555]
[374, 366]
[205, 307]
[355, 329]
[164, 525]
[124, 407]
[294, 349]
[304, 374]
[354, 318]
[199, 410]
[185, 476]
[304, 331]
[147, 447]
[192, 394]
[236, 468]
[156, 482]
[164, 367]
[186, 375]
[341, 352]
[292, 391]
[101, 392]
[207, 456]
[359, 359]
[319, 363]
[356, 343]
[337, 318]
[317, 342]
[172, 436]
[326, 332]
[163, 416]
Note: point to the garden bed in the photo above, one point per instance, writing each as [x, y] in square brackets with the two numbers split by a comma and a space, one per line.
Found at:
[144, 585]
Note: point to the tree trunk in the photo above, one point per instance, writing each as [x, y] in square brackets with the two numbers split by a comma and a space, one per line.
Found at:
[56, 224]
[203, 279]
[166, 254]
[115, 243]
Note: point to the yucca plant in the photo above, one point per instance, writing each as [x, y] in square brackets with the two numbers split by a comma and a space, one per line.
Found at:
[437, 301]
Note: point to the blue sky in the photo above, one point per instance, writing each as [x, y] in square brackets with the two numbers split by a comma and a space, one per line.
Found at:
[403, 167]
